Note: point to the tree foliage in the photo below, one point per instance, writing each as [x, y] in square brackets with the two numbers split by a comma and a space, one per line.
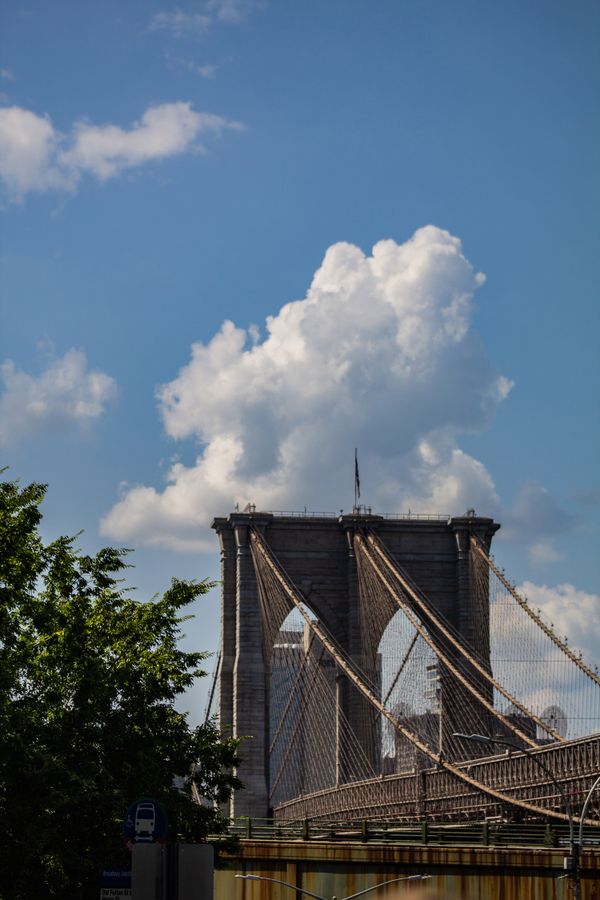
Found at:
[88, 680]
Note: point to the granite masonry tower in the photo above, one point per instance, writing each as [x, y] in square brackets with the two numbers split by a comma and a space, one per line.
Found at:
[316, 551]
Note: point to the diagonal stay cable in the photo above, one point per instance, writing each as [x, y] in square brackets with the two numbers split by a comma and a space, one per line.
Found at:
[435, 645]
[213, 687]
[451, 635]
[271, 588]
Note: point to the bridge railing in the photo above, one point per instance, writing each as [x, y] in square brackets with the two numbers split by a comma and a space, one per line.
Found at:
[418, 517]
[486, 834]
[299, 514]
[326, 514]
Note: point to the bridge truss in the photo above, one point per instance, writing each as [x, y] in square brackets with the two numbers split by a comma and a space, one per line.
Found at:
[379, 735]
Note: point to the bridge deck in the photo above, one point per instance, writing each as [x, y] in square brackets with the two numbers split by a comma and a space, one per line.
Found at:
[435, 795]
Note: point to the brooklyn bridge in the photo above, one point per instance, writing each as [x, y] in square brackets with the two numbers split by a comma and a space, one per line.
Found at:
[385, 667]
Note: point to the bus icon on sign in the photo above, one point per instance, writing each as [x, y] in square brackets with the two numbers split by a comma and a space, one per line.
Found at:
[145, 822]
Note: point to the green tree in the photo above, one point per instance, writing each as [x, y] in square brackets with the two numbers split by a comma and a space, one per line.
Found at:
[88, 679]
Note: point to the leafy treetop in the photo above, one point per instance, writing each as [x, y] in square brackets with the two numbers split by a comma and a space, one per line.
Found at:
[88, 678]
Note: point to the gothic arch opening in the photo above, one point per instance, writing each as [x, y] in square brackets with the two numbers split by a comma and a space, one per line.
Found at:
[303, 709]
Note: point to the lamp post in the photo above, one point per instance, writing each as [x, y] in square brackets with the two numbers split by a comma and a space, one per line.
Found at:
[584, 809]
[318, 896]
[572, 861]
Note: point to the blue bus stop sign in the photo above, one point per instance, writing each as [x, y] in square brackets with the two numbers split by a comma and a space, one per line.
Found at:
[145, 822]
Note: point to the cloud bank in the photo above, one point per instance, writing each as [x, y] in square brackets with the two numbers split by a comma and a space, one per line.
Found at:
[380, 354]
[65, 395]
[35, 156]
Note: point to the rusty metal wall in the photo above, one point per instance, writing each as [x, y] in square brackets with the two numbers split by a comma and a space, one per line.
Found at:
[467, 873]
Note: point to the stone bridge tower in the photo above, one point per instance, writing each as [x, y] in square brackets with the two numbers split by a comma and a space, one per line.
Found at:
[316, 552]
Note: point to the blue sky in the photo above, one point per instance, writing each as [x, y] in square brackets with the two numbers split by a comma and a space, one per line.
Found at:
[166, 169]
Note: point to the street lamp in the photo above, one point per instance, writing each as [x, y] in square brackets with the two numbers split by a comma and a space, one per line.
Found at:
[318, 896]
[572, 862]
[584, 808]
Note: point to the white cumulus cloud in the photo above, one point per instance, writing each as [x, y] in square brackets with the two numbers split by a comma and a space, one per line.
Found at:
[380, 354]
[163, 131]
[35, 156]
[28, 148]
[65, 394]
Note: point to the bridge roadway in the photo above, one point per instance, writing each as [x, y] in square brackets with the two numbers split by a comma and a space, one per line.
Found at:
[435, 795]
[336, 869]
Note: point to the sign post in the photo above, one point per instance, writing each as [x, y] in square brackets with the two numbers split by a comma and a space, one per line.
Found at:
[176, 872]
[145, 823]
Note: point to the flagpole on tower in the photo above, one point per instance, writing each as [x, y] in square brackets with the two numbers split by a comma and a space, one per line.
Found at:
[356, 480]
